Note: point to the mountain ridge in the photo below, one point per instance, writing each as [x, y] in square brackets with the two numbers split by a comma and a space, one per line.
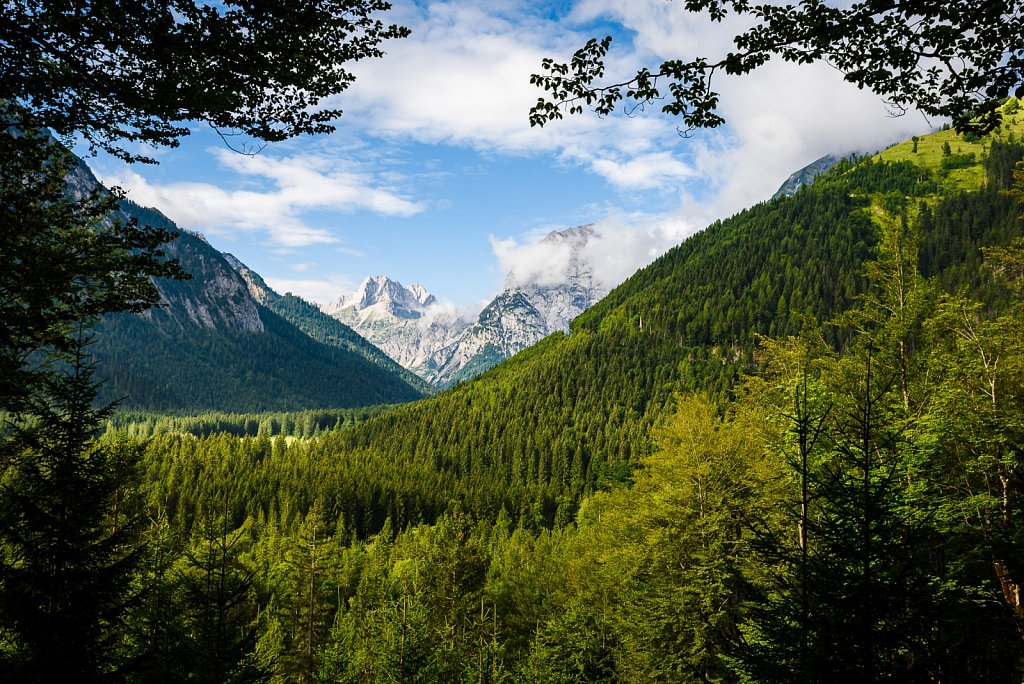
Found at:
[210, 344]
[445, 348]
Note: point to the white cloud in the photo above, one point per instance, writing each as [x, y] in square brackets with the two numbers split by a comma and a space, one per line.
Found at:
[662, 30]
[645, 172]
[463, 79]
[623, 243]
[628, 242]
[544, 263]
[280, 189]
[779, 118]
[446, 313]
[317, 290]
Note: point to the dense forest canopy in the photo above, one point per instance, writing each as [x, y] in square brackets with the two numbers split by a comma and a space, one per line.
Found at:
[812, 471]
[787, 449]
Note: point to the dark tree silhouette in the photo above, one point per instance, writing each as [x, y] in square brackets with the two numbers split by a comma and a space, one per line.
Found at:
[139, 71]
[954, 59]
[66, 537]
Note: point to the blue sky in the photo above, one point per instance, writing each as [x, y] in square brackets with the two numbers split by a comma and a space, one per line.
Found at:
[435, 176]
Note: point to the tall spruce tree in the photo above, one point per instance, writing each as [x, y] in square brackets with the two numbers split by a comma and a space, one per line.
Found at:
[221, 615]
[66, 539]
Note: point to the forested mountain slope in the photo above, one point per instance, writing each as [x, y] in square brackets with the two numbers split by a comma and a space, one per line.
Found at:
[576, 410]
[211, 346]
[853, 507]
[574, 413]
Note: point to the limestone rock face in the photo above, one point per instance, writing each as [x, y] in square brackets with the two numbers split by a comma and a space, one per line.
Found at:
[216, 297]
[442, 347]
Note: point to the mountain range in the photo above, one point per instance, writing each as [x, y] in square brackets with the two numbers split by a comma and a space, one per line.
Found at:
[445, 348]
[219, 342]
[406, 323]
[225, 340]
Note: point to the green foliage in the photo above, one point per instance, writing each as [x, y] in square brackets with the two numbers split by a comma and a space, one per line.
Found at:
[66, 532]
[841, 497]
[118, 73]
[874, 46]
[66, 527]
[954, 230]
[956, 161]
[679, 547]
[868, 176]
[303, 424]
[573, 414]
[218, 610]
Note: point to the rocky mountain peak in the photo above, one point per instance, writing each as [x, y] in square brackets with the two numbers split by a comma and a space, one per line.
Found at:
[421, 294]
[804, 176]
[576, 236]
[218, 297]
[442, 347]
[258, 287]
[379, 297]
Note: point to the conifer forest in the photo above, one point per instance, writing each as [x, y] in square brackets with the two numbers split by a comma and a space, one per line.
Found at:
[790, 449]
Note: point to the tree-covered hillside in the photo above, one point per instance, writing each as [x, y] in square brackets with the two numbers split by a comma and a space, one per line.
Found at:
[785, 450]
[574, 413]
[281, 369]
[211, 346]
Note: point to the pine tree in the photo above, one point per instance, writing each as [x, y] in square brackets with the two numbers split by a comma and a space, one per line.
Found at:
[65, 554]
[221, 618]
[309, 566]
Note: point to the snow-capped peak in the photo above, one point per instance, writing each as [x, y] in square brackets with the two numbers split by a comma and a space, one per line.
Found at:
[380, 296]
[443, 347]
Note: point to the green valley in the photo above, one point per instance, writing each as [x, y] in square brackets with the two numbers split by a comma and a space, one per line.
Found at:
[787, 448]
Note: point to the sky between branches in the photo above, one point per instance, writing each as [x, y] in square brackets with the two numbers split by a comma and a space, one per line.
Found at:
[436, 177]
